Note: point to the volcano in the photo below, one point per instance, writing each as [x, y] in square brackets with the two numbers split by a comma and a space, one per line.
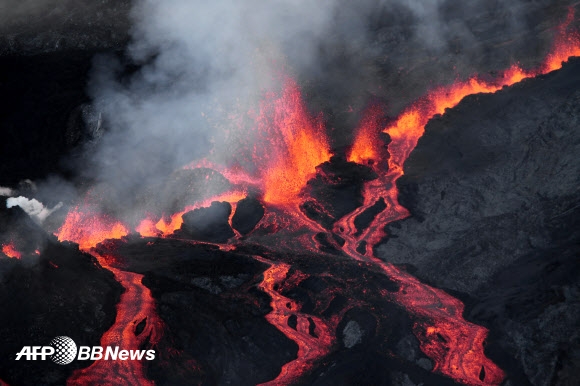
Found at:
[420, 235]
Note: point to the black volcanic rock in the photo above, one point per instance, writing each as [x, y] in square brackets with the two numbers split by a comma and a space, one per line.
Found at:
[208, 224]
[493, 191]
[335, 190]
[33, 27]
[52, 290]
[249, 212]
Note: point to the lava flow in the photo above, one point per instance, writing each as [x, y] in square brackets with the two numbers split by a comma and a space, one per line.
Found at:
[135, 306]
[310, 347]
[454, 344]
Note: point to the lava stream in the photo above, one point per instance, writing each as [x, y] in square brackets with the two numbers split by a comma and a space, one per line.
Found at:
[310, 348]
[136, 305]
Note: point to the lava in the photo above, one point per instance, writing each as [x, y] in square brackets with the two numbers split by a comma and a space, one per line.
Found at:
[136, 305]
[11, 251]
[88, 228]
[310, 347]
[167, 226]
[295, 144]
[367, 146]
[409, 126]
[290, 143]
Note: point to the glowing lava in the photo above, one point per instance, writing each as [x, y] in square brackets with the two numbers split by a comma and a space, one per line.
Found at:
[10, 251]
[310, 347]
[409, 127]
[290, 144]
[167, 226]
[88, 229]
[368, 147]
[295, 144]
[136, 306]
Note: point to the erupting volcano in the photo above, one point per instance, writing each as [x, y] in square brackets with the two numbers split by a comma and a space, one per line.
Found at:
[268, 259]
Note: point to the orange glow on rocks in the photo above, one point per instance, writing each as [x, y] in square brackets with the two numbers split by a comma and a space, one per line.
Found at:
[166, 226]
[409, 126]
[88, 229]
[296, 143]
[10, 251]
[290, 144]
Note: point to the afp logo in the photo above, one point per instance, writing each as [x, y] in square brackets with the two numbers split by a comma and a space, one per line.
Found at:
[63, 350]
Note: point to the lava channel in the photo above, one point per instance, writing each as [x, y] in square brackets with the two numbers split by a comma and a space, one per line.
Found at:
[310, 348]
[136, 305]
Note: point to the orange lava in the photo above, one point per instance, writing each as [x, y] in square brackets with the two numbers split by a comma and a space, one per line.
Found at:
[88, 229]
[409, 127]
[455, 345]
[296, 143]
[367, 146]
[167, 226]
[136, 305]
[310, 348]
[10, 251]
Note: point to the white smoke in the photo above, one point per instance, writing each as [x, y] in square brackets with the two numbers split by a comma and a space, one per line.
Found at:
[34, 208]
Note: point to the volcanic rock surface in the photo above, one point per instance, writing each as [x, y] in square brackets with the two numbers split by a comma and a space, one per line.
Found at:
[208, 224]
[493, 191]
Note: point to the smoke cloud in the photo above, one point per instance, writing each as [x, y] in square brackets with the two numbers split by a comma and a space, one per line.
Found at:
[34, 208]
[193, 65]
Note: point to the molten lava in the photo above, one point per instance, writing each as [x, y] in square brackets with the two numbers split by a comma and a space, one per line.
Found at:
[454, 344]
[167, 226]
[11, 251]
[409, 126]
[136, 306]
[87, 228]
[367, 146]
[295, 144]
[310, 347]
